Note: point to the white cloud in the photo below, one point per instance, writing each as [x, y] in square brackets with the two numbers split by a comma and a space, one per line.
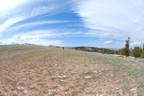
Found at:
[107, 42]
[38, 10]
[101, 33]
[7, 5]
[38, 34]
[136, 44]
[105, 19]
[38, 37]
[31, 40]
[47, 33]
[4, 26]
[114, 18]
[19, 10]
[15, 28]
[38, 7]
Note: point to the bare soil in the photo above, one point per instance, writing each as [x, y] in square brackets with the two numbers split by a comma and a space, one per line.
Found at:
[56, 72]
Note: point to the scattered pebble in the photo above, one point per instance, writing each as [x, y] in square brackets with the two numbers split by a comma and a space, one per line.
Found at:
[88, 77]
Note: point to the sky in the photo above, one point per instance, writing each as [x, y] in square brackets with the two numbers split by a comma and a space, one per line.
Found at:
[99, 23]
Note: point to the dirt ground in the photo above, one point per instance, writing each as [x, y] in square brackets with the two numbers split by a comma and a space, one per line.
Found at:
[57, 72]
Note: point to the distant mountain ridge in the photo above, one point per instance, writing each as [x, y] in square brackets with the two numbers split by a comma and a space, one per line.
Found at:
[93, 49]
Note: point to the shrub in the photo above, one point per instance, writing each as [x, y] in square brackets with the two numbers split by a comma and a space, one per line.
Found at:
[122, 51]
[136, 52]
[142, 54]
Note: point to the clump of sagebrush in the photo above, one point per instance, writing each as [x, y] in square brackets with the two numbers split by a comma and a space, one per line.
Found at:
[142, 54]
[136, 52]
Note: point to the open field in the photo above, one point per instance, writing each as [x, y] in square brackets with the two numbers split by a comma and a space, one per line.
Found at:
[28, 70]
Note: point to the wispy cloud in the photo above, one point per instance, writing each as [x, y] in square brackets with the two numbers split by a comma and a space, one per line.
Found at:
[40, 37]
[22, 18]
[29, 9]
[47, 33]
[4, 26]
[36, 23]
[33, 37]
[107, 42]
[23, 40]
[38, 7]
[122, 18]
[136, 43]
[25, 9]
[6, 6]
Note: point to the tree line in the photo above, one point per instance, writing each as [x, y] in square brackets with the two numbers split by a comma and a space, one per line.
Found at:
[137, 51]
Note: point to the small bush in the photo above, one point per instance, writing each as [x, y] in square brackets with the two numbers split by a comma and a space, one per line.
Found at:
[136, 52]
[122, 51]
[142, 54]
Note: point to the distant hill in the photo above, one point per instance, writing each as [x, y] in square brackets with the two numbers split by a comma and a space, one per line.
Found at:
[32, 46]
[94, 49]
[14, 47]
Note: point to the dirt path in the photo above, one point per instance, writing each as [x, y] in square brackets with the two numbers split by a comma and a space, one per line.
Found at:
[54, 72]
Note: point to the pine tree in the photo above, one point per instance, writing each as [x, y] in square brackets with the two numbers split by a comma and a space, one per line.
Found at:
[127, 42]
[143, 47]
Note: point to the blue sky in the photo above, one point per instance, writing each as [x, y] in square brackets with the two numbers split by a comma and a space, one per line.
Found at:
[100, 23]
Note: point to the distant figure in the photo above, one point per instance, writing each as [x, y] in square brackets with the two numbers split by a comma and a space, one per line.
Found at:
[63, 48]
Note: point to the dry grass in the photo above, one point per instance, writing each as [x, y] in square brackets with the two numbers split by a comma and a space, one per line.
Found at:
[48, 71]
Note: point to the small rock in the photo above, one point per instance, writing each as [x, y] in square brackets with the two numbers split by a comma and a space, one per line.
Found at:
[62, 77]
[66, 93]
[95, 71]
[88, 77]
[120, 92]
[134, 92]
[25, 91]
[20, 88]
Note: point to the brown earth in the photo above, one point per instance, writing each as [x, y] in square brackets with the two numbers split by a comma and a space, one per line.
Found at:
[57, 72]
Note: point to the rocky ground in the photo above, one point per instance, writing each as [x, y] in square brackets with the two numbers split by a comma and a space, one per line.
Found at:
[56, 72]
